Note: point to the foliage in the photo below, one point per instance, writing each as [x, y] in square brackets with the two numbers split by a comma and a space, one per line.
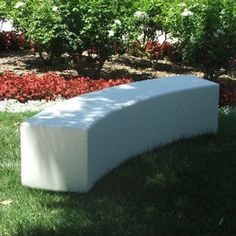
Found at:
[149, 19]
[227, 92]
[206, 32]
[2, 10]
[49, 86]
[157, 50]
[41, 23]
[59, 26]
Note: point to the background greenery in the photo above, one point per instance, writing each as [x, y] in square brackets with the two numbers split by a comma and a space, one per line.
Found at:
[204, 31]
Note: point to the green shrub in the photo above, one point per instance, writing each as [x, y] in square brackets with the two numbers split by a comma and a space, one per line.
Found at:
[2, 10]
[42, 22]
[155, 12]
[206, 32]
[58, 26]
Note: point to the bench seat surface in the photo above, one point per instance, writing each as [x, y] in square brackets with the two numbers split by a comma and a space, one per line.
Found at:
[85, 110]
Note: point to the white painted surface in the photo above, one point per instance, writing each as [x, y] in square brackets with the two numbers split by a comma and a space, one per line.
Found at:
[7, 25]
[71, 145]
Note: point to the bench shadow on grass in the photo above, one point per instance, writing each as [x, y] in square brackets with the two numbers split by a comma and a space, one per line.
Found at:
[186, 188]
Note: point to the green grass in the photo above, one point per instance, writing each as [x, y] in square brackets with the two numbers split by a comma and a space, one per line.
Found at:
[186, 188]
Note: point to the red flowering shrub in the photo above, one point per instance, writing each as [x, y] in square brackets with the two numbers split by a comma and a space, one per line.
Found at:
[153, 48]
[12, 40]
[227, 93]
[157, 50]
[49, 86]
[136, 49]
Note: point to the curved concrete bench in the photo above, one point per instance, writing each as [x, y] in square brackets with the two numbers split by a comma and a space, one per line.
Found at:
[71, 145]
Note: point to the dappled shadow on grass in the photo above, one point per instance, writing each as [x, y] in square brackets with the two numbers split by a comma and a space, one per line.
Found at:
[186, 188]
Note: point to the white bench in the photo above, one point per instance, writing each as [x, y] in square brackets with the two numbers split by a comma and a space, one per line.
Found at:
[70, 146]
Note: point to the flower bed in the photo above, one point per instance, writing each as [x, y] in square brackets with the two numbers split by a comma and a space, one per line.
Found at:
[49, 86]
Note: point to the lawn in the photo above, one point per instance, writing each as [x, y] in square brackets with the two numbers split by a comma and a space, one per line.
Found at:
[185, 188]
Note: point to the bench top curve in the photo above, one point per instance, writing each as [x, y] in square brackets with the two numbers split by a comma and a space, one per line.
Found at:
[85, 110]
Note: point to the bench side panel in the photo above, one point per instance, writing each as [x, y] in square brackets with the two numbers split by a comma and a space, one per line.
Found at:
[53, 158]
[150, 123]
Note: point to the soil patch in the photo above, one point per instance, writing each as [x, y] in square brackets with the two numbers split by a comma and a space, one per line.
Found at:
[22, 62]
